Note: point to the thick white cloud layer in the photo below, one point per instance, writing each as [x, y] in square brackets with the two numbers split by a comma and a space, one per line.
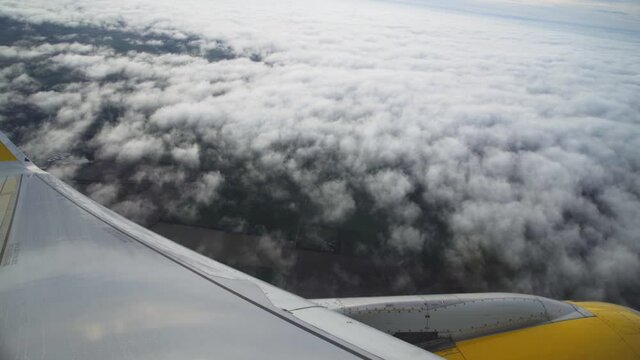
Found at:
[523, 142]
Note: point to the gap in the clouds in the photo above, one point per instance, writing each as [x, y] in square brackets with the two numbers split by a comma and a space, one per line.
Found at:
[20, 118]
[121, 42]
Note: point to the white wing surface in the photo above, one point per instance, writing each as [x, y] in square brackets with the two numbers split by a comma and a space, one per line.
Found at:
[78, 281]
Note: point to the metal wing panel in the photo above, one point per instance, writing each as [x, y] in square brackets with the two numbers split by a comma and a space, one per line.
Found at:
[78, 288]
[78, 281]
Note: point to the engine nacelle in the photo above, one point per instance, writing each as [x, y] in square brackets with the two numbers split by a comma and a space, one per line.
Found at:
[435, 321]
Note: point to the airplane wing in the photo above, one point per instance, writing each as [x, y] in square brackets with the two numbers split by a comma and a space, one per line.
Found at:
[78, 281]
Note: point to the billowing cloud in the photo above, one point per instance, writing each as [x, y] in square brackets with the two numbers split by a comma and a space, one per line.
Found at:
[460, 153]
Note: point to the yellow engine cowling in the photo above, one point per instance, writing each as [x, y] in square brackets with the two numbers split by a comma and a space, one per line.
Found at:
[612, 333]
[500, 325]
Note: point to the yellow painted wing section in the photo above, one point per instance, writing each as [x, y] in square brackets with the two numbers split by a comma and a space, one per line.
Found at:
[5, 154]
[614, 333]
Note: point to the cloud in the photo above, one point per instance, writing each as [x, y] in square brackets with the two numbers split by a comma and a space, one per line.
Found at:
[204, 190]
[502, 155]
[105, 194]
[188, 156]
[334, 199]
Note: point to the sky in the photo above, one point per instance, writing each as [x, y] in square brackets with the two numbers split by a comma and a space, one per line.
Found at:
[467, 148]
[620, 16]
